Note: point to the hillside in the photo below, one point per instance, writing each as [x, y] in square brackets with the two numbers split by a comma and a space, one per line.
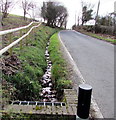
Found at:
[14, 21]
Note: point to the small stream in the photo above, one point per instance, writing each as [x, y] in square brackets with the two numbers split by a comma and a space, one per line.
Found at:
[48, 94]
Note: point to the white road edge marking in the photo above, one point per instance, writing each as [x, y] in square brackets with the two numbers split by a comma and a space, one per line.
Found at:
[95, 109]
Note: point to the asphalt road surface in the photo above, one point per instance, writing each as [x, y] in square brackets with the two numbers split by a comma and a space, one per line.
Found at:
[95, 60]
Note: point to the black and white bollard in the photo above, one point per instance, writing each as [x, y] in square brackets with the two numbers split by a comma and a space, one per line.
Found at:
[84, 101]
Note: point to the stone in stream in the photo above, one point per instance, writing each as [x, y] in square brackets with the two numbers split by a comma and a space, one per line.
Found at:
[44, 77]
[50, 62]
[49, 96]
[47, 55]
[46, 84]
[45, 100]
[49, 66]
[50, 85]
[47, 93]
[47, 61]
[48, 43]
[48, 73]
[53, 100]
[49, 70]
[47, 58]
[46, 48]
[46, 52]
[46, 90]
[48, 81]
[53, 92]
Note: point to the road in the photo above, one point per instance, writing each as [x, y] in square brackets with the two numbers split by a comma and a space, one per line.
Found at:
[95, 60]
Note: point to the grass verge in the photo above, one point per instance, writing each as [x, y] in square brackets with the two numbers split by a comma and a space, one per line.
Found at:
[113, 41]
[59, 67]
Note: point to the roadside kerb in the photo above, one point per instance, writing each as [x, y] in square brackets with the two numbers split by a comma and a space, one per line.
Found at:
[95, 111]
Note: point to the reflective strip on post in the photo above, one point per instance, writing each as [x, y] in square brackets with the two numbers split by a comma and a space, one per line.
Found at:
[84, 100]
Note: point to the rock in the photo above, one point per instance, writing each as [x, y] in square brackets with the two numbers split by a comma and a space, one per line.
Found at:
[48, 80]
[47, 58]
[48, 43]
[53, 100]
[50, 85]
[46, 90]
[49, 70]
[50, 62]
[47, 48]
[45, 100]
[47, 55]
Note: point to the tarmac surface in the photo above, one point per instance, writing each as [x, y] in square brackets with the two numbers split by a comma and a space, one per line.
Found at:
[95, 60]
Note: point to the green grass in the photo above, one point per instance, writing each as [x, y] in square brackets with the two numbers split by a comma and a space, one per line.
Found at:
[102, 38]
[33, 65]
[14, 21]
[59, 68]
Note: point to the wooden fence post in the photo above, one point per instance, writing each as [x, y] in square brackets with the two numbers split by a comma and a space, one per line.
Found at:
[21, 40]
[26, 37]
[30, 34]
[10, 41]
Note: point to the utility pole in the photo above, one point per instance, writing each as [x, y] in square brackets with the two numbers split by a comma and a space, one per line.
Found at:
[97, 12]
[78, 21]
[75, 19]
[96, 18]
[115, 19]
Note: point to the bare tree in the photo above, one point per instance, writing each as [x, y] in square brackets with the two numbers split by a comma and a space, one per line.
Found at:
[5, 7]
[26, 6]
[33, 6]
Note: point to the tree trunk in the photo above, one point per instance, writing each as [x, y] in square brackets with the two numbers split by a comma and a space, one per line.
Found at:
[24, 15]
[82, 23]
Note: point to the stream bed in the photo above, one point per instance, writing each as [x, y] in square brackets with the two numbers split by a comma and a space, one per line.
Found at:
[48, 94]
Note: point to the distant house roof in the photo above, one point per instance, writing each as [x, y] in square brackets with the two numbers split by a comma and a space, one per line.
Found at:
[90, 22]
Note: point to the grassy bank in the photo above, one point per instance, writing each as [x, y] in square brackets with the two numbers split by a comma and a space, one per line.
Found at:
[24, 81]
[113, 41]
[59, 68]
[14, 21]
[104, 37]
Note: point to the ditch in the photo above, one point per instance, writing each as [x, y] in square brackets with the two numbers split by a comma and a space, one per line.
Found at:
[48, 94]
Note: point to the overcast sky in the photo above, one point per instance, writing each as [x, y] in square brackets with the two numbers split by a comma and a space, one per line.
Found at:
[74, 8]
